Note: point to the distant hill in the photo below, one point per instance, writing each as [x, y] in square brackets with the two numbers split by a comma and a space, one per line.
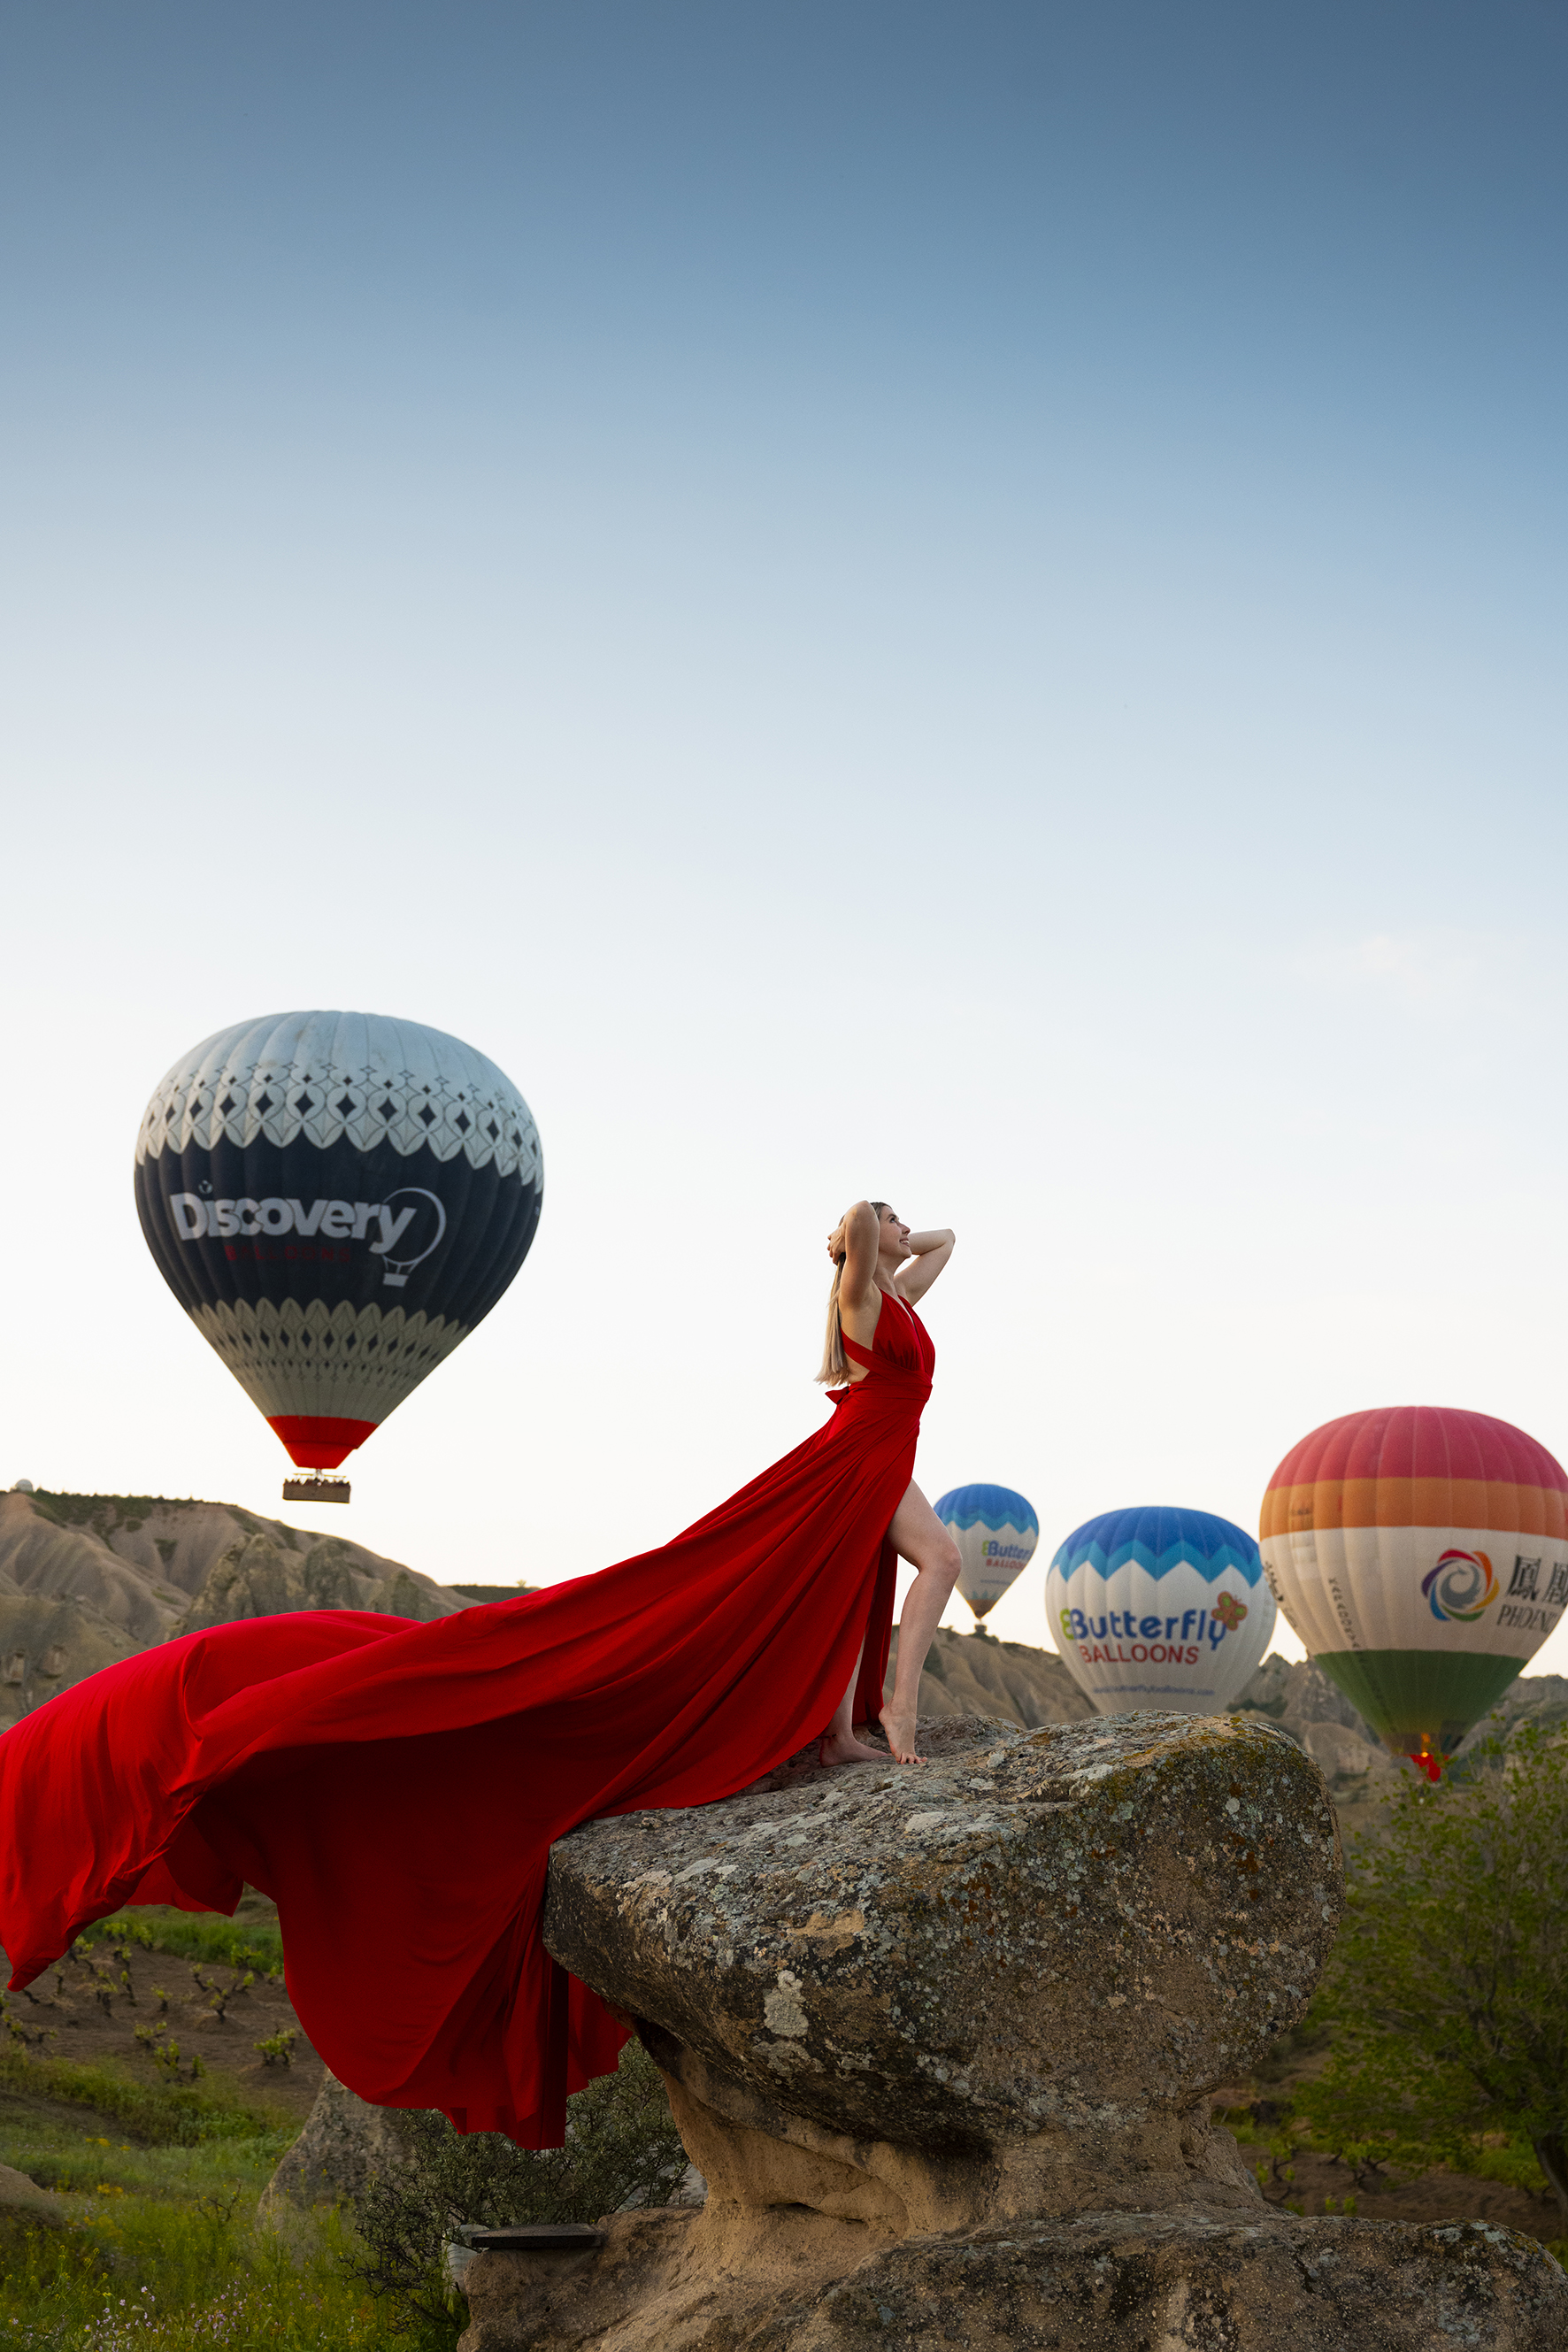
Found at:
[88, 1579]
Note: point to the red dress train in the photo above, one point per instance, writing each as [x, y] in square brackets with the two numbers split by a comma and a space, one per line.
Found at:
[396, 1787]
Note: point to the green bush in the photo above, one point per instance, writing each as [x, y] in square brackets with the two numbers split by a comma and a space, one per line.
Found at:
[1447, 1990]
[621, 2149]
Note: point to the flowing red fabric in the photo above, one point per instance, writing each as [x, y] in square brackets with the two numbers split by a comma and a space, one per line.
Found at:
[396, 1787]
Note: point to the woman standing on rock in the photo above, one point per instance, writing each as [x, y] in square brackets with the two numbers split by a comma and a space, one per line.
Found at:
[872, 1301]
[396, 1788]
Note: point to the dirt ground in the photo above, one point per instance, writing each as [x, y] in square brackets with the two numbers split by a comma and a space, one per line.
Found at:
[82, 2009]
[1437, 2196]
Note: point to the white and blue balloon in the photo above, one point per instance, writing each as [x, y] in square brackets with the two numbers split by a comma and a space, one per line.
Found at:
[1161, 1608]
[995, 1531]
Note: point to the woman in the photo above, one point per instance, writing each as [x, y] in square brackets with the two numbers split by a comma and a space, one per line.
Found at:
[868, 1247]
[396, 1788]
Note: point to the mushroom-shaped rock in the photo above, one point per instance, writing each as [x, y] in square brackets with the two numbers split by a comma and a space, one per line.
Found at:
[939, 2040]
[1050, 1936]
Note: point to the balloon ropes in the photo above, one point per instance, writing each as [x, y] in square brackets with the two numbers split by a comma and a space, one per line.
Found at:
[995, 1531]
[1421, 1553]
[336, 1199]
[1160, 1606]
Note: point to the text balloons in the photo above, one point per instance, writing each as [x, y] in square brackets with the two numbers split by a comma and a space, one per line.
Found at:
[1161, 1607]
[1421, 1553]
[995, 1531]
[336, 1199]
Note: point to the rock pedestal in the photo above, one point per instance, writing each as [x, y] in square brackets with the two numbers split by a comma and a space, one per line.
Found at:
[940, 2041]
[344, 2145]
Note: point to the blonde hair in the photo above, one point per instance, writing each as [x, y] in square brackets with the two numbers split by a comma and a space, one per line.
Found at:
[835, 1362]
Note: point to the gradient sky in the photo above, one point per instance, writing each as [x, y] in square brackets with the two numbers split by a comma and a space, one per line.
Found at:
[958, 603]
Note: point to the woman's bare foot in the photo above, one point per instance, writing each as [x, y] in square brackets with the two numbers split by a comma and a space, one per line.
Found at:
[898, 1723]
[843, 1747]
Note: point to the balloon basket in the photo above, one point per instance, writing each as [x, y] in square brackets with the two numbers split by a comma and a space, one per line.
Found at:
[313, 1487]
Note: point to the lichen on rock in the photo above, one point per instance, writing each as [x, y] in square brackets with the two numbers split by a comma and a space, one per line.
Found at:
[1075, 1929]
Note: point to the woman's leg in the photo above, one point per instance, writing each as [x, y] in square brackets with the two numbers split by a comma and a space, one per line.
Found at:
[920, 1537]
[839, 1745]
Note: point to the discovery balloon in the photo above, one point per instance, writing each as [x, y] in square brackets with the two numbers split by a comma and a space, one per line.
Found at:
[336, 1199]
[995, 1531]
[1421, 1553]
[1161, 1608]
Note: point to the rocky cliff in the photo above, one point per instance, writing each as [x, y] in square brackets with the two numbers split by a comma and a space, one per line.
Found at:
[88, 1579]
[939, 2041]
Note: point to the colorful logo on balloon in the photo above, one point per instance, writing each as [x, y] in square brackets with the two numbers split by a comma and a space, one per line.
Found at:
[1461, 1587]
[1229, 1611]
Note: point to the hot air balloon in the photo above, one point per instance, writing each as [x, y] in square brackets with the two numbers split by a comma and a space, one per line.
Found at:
[1421, 1553]
[336, 1199]
[995, 1531]
[1161, 1607]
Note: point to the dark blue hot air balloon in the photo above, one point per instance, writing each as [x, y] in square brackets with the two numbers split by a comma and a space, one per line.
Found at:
[336, 1199]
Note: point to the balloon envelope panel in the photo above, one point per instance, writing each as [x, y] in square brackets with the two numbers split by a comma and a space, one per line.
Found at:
[996, 1531]
[336, 1199]
[1421, 1553]
[1160, 1606]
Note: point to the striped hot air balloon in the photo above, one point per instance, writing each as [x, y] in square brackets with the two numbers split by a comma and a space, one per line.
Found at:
[1421, 1554]
[336, 1199]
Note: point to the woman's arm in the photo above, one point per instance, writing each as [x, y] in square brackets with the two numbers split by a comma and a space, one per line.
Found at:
[857, 1235]
[930, 1253]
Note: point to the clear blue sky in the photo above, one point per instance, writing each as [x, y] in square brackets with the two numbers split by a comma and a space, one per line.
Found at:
[963, 603]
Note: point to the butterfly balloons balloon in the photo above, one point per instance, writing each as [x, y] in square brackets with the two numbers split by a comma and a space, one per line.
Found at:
[1160, 1606]
[995, 1531]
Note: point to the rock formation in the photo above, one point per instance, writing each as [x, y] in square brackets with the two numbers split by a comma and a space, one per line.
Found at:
[940, 2041]
[972, 1673]
[25, 2206]
[1539, 1699]
[345, 2143]
[88, 1579]
[969, 1674]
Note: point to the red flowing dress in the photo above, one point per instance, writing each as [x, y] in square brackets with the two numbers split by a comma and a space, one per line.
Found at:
[396, 1787]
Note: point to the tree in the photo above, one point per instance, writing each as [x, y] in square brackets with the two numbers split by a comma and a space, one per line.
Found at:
[621, 2149]
[1447, 1988]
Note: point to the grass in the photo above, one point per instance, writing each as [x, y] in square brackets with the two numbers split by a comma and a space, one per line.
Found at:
[169, 2255]
[193, 1936]
[165, 2251]
[153, 2114]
